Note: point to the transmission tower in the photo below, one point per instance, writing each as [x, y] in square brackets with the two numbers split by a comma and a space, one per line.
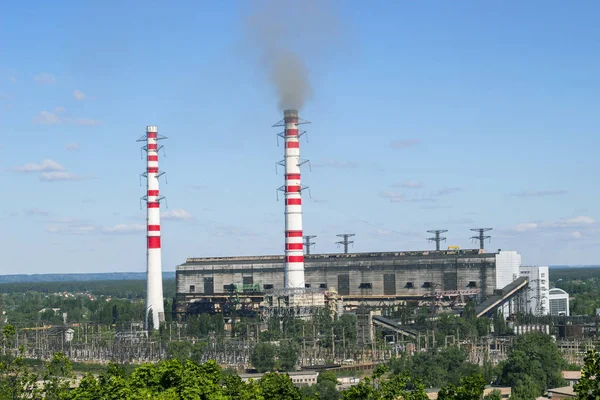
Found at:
[308, 243]
[481, 237]
[345, 242]
[437, 238]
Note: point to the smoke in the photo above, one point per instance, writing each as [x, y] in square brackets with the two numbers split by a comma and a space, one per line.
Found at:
[288, 37]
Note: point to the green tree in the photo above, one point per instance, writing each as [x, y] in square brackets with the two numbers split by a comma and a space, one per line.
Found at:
[263, 357]
[588, 386]
[179, 350]
[493, 395]
[58, 377]
[288, 354]
[535, 356]
[470, 388]
[276, 386]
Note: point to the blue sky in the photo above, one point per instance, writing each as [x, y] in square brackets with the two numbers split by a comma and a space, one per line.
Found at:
[425, 115]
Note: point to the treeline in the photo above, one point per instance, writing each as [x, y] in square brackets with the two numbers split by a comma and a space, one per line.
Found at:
[533, 366]
[122, 289]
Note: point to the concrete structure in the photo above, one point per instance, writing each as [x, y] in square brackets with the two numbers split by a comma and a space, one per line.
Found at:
[558, 302]
[154, 288]
[507, 267]
[210, 283]
[294, 245]
[538, 293]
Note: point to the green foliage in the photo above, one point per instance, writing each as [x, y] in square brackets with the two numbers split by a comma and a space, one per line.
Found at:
[179, 350]
[588, 386]
[263, 357]
[470, 388]
[436, 368]
[534, 364]
[376, 387]
[288, 354]
[493, 395]
[278, 387]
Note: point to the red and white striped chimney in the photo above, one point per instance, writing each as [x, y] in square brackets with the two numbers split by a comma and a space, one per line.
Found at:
[294, 254]
[154, 295]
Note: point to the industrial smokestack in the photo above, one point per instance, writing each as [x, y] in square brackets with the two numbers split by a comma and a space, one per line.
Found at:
[294, 254]
[154, 289]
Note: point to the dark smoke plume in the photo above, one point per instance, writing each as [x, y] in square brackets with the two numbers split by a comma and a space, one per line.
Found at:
[288, 36]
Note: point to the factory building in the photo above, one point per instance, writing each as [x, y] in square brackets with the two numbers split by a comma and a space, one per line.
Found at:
[538, 292]
[354, 278]
[558, 302]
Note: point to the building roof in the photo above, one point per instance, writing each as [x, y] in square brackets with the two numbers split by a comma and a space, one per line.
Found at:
[557, 291]
[322, 257]
[571, 375]
[565, 390]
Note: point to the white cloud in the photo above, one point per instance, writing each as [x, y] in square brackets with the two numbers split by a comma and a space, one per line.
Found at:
[528, 226]
[45, 78]
[59, 110]
[47, 118]
[403, 144]
[45, 166]
[72, 147]
[72, 229]
[394, 197]
[125, 228]
[581, 220]
[576, 235]
[37, 212]
[447, 190]
[410, 184]
[177, 215]
[334, 164]
[79, 95]
[61, 176]
[83, 121]
[540, 193]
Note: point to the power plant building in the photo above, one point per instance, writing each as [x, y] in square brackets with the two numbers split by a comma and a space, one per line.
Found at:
[559, 302]
[538, 292]
[354, 277]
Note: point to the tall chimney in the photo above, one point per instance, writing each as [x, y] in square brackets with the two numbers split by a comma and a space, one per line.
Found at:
[154, 288]
[294, 254]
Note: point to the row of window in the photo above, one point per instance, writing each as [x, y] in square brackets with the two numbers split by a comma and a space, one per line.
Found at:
[343, 285]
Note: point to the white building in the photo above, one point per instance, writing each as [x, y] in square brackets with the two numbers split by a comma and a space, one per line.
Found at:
[538, 291]
[559, 302]
[507, 267]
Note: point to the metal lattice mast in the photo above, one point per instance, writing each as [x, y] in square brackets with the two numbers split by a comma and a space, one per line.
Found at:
[308, 243]
[481, 237]
[154, 288]
[345, 242]
[294, 254]
[437, 238]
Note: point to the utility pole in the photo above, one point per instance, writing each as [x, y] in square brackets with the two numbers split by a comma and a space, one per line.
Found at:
[308, 243]
[481, 237]
[437, 238]
[345, 242]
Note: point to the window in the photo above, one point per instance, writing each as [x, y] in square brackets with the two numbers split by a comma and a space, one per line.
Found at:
[323, 286]
[267, 286]
[426, 284]
[365, 285]
[409, 285]
[307, 285]
[472, 284]
[192, 288]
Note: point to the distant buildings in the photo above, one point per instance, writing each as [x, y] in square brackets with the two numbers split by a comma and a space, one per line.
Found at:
[538, 293]
[559, 302]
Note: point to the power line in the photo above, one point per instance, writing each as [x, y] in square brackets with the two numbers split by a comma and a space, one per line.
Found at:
[437, 238]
